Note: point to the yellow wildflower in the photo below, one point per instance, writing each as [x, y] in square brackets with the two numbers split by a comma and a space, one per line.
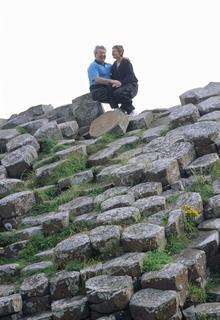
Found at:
[190, 212]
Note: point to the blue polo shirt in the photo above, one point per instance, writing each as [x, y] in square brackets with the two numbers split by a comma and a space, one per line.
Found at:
[98, 70]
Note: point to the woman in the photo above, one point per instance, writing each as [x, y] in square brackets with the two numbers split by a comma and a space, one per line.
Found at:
[122, 70]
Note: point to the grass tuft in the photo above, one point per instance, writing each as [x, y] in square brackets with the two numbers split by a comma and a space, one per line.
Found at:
[155, 260]
[201, 186]
[197, 294]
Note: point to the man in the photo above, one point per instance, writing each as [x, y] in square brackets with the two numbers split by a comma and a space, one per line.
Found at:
[101, 84]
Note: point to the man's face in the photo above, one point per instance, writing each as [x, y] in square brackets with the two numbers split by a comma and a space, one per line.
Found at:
[100, 55]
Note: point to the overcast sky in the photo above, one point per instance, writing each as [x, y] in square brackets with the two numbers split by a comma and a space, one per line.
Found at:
[47, 45]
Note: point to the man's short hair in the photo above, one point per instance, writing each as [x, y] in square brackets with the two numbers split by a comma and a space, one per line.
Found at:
[97, 48]
[119, 48]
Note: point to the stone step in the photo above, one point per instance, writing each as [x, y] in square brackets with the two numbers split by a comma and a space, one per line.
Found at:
[203, 311]
[10, 305]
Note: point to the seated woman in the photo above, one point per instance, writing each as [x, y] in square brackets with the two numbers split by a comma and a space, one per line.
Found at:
[122, 70]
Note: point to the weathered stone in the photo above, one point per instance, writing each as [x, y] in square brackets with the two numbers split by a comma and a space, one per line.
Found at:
[128, 141]
[212, 116]
[75, 247]
[165, 171]
[45, 255]
[38, 220]
[183, 115]
[88, 219]
[207, 241]
[19, 161]
[117, 202]
[216, 186]
[195, 261]
[41, 316]
[153, 304]
[32, 126]
[76, 179]
[36, 305]
[3, 172]
[37, 267]
[64, 284]
[44, 172]
[27, 233]
[90, 272]
[85, 110]
[7, 290]
[78, 206]
[110, 193]
[203, 311]
[146, 189]
[106, 174]
[202, 165]
[62, 114]
[154, 133]
[129, 175]
[70, 309]
[172, 277]
[16, 121]
[214, 206]
[22, 140]
[125, 215]
[142, 120]
[34, 286]
[69, 129]
[16, 204]
[111, 121]
[8, 185]
[105, 240]
[210, 224]
[145, 159]
[150, 205]
[143, 237]
[103, 156]
[48, 131]
[107, 294]
[6, 136]
[199, 94]
[13, 250]
[79, 150]
[191, 199]
[128, 264]
[56, 223]
[8, 271]
[209, 105]
[127, 155]
[10, 304]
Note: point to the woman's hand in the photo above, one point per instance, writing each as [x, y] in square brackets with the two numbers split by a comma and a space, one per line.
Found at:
[115, 83]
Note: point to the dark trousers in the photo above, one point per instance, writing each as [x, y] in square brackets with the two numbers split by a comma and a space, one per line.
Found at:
[114, 96]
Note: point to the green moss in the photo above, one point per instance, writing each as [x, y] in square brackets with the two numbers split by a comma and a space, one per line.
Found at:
[76, 265]
[172, 199]
[45, 161]
[177, 243]
[197, 294]
[21, 130]
[201, 186]
[155, 260]
[7, 238]
[102, 142]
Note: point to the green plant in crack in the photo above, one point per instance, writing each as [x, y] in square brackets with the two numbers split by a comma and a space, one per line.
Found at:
[102, 142]
[177, 243]
[203, 187]
[197, 294]
[155, 260]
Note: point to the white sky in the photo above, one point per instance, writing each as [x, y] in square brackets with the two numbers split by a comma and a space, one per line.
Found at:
[46, 46]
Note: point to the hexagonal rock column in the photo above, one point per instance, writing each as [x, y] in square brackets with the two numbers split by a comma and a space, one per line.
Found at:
[19, 161]
[70, 309]
[214, 207]
[199, 94]
[183, 115]
[8, 185]
[105, 240]
[102, 156]
[32, 126]
[165, 171]
[69, 129]
[3, 172]
[10, 305]
[125, 215]
[202, 165]
[146, 189]
[6, 136]
[150, 205]
[109, 193]
[64, 284]
[15, 205]
[129, 175]
[108, 294]
[142, 120]
[57, 222]
[117, 202]
[8, 272]
[111, 121]
[75, 247]
[154, 304]
[143, 237]
[48, 131]
[22, 140]
[78, 206]
[209, 105]
[203, 311]
[172, 277]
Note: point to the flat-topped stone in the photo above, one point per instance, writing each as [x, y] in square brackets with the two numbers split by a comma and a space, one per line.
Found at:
[145, 189]
[111, 121]
[143, 237]
[212, 116]
[32, 126]
[49, 130]
[210, 224]
[76, 247]
[5, 136]
[55, 223]
[153, 304]
[9, 271]
[199, 94]
[22, 140]
[183, 115]
[214, 206]
[37, 267]
[150, 205]
[103, 156]
[203, 311]
[129, 175]
[117, 202]
[106, 174]
[9, 305]
[77, 179]
[44, 172]
[69, 129]
[7, 186]
[107, 294]
[78, 206]
[19, 161]
[154, 133]
[209, 105]
[141, 120]
[109, 193]
[79, 150]
[207, 241]
[202, 165]
[34, 286]
[64, 284]
[124, 215]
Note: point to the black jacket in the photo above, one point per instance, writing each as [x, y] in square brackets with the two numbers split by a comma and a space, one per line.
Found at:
[124, 73]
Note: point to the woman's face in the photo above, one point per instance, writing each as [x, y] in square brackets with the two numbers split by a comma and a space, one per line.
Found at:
[115, 53]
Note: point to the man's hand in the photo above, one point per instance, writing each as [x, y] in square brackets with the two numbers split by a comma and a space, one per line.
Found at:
[115, 83]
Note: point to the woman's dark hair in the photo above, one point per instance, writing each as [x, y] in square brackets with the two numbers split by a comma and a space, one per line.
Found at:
[120, 49]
